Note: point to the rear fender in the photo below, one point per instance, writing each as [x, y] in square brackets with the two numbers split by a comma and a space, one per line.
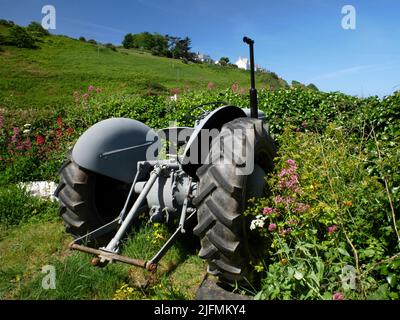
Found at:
[113, 147]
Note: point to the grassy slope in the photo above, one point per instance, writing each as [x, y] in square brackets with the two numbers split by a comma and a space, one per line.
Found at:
[47, 77]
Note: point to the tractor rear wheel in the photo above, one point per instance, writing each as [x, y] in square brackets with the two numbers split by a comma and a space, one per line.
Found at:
[223, 195]
[88, 200]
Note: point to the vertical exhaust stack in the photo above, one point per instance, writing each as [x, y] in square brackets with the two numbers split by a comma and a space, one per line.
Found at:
[253, 90]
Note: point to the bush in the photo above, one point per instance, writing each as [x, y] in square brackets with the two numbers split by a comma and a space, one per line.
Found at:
[92, 41]
[111, 46]
[36, 29]
[20, 38]
[7, 23]
[82, 39]
[325, 214]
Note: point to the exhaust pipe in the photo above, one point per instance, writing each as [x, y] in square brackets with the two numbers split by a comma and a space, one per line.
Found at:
[253, 90]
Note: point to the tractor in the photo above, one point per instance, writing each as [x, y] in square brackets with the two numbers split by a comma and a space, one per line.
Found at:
[114, 174]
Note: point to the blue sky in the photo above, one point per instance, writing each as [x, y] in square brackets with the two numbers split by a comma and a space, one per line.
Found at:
[298, 39]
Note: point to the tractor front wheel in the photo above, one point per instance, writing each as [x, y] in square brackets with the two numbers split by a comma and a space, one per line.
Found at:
[88, 200]
[223, 194]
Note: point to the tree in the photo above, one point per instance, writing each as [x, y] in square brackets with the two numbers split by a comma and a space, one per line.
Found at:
[181, 49]
[20, 38]
[82, 39]
[312, 86]
[224, 61]
[37, 29]
[128, 41]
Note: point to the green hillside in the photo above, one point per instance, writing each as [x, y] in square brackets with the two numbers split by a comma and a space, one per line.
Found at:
[47, 76]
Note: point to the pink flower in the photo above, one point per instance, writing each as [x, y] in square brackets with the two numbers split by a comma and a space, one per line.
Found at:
[272, 227]
[286, 231]
[268, 211]
[210, 86]
[235, 87]
[338, 296]
[98, 90]
[40, 140]
[27, 144]
[301, 207]
[14, 139]
[332, 229]
[90, 88]
[70, 130]
[291, 163]
[15, 130]
[58, 132]
[85, 96]
[59, 121]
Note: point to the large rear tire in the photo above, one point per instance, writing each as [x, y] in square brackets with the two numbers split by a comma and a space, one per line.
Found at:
[223, 195]
[88, 200]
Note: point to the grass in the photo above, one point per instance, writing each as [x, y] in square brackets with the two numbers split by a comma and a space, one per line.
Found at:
[26, 249]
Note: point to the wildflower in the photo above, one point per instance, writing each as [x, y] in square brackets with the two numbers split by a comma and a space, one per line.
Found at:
[272, 227]
[15, 130]
[285, 231]
[75, 94]
[70, 130]
[332, 229]
[14, 139]
[1, 121]
[40, 140]
[291, 163]
[338, 296]
[257, 223]
[58, 132]
[98, 90]
[27, 125]
[26, 131]
[27, 145]
[304, 125]
[210, 86]
[90, 88]
[301, 207]
[235, 87]
[242, 90]
[85, 96]
[348, 203]
[267, 211]
[59, 121]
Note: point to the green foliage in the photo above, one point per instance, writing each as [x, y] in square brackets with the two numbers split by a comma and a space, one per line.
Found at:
[20, 38]
[325, 212]
[92, 41]
[224, 61]
[16, 206]
[37, 30]
[83, 39]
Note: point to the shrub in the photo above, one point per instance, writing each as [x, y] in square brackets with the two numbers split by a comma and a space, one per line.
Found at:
[7, 23]
[111, 46]
[324, 214]
[36, 29]
[20, 38]
[82, 39]
[92, 41]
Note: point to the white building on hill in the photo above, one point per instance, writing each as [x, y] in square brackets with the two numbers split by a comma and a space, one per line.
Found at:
[243, 63]
[204, 58]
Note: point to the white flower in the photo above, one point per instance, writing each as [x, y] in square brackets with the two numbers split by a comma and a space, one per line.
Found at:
[27, 125]
[257, 223]
[26, 131]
